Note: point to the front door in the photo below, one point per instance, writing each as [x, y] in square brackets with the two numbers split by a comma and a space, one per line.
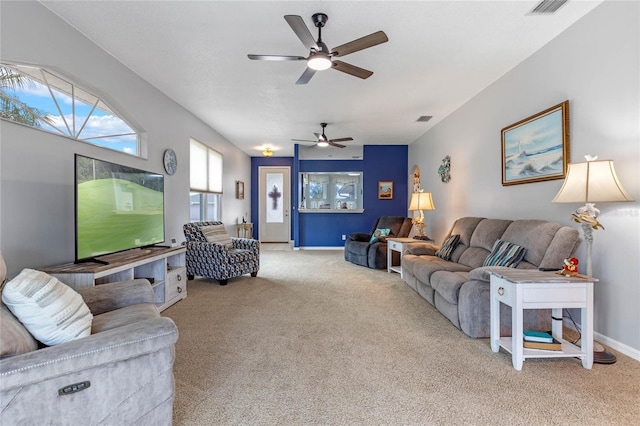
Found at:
[274, 204]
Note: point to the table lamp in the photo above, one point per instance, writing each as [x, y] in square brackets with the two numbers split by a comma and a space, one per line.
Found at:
[421, 201]
[591, 182]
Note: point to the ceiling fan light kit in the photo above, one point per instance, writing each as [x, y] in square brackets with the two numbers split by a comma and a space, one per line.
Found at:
[323, 141]
[320, 56]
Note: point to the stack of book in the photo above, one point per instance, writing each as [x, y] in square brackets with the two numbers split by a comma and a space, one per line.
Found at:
[540, 340]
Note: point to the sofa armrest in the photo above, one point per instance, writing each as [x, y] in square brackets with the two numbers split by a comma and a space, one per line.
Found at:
[109, 297]
[247, 244]
[111, 346]
[483, 273]
[360, 236]
[422, 249]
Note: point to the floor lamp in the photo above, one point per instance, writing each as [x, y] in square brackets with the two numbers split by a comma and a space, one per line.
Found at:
[421, 201]
[589, 183]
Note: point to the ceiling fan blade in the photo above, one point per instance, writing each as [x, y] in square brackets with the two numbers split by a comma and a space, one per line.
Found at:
[361, 43]
[303, 140]
[306, 76]
[340, 140]
[352, 69]
[337, 145]
[298, 26]
[276, 58]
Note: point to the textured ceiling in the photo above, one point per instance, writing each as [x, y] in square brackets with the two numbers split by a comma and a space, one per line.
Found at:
[439, 55]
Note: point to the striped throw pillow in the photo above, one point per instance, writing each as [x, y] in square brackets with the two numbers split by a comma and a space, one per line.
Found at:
[217, 234]
[505, 253]
[448, 247]
[53, 312]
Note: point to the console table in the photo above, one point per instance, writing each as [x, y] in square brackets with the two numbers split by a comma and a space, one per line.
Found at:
[163, 267]
[245, 230]
[531, 289]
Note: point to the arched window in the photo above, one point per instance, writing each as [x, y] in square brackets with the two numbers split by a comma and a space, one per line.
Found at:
[37, 97]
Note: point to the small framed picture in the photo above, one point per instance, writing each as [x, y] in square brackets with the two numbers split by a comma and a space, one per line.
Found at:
[240, 190]
[385, 190]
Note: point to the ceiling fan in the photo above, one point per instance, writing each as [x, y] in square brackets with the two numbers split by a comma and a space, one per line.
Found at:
[323, 141]
[320, 57]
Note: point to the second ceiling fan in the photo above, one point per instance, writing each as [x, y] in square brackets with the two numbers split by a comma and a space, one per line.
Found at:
[323, 141]
[320, 57]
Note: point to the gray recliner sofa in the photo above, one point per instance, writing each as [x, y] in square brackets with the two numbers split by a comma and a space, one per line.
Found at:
[359, 249]
[459, 287]
[121, 374]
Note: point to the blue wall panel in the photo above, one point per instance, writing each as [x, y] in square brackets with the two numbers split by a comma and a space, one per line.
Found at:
[380, 162]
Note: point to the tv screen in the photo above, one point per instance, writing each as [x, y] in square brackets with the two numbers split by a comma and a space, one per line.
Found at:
[116, 207]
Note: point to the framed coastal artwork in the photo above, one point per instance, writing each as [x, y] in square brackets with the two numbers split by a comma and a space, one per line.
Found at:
[537, 148]
[385, 190]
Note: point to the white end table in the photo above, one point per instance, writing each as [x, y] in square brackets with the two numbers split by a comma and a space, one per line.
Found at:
[400, 245]
[531, 289]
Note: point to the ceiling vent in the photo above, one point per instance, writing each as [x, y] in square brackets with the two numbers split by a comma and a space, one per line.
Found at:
[547, 7]
[424, 118]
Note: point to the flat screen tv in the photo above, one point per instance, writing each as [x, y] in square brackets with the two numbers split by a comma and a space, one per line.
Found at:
[117, 208]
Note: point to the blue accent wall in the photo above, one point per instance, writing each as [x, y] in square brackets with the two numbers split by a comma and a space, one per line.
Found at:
[380, 162]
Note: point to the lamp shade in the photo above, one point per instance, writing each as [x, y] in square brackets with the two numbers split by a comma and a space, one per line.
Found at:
[421, 201]
[591, 182]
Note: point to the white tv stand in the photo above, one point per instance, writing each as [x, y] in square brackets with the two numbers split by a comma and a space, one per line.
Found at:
[165, 267]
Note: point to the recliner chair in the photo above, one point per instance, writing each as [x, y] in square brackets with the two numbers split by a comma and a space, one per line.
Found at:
[217, 261]
[360, 250]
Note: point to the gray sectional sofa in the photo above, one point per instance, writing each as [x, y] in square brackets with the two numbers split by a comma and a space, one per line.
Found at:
[459, 287]
[122, 374]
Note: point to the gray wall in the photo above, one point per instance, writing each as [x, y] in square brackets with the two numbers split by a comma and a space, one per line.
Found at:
[36, 167]
[595, 65]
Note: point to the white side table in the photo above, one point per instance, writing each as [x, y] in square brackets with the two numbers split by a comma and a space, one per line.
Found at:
[532, 289]
[399, 245]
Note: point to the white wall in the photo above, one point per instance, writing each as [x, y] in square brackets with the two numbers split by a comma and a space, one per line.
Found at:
[595, 65]
[36, 168]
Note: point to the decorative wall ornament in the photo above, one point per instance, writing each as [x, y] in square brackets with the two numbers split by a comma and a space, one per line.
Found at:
[444, 169]
[416, 179]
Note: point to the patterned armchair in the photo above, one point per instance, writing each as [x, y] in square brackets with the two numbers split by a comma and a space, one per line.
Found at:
[216, 260]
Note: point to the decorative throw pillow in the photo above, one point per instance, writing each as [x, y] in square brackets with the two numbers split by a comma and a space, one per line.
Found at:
[379, 234]
[505, 253]
[217, 234]
[53, 312]
[448, 247]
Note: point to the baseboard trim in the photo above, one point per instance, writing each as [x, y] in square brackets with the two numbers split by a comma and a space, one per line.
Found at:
[608, 342]
[319, 248]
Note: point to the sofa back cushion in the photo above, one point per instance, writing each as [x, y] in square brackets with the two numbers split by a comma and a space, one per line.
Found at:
[398, 226]
[463, 227]
[16, 340]
[547, 243]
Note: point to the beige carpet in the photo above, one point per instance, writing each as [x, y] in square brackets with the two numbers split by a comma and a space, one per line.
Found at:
[314, 340]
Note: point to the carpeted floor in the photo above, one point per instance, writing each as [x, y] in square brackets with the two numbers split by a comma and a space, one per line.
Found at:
[314, 340]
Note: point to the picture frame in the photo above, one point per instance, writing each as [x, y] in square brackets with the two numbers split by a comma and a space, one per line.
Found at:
[240, 190]
[536, 149]
[385, 190]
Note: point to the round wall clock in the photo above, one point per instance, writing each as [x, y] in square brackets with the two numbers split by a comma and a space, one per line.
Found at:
[170, 161]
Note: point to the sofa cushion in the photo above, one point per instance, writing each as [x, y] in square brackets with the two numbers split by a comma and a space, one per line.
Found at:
[380, 235]
[488, 231]
[483, 273]
[124, 316]
[447, 284]
[505, 253]
[52, 312]
[217, 234]
[16, 339]
[535, 235]
[447, 248]
[425, 266]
